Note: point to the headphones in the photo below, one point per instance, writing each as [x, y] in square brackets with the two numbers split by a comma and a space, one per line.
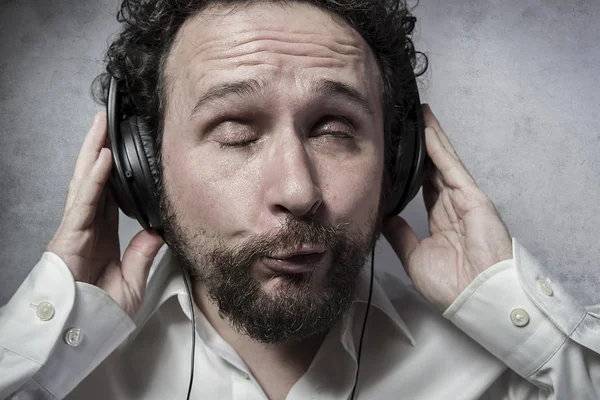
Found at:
[133, 178]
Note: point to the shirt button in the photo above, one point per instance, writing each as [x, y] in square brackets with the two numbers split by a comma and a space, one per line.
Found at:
[519, 317]
[245, 375]
[73, 337]
[543, 286]
[45, 311]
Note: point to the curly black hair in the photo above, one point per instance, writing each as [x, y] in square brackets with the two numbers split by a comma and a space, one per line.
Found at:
[137, 57]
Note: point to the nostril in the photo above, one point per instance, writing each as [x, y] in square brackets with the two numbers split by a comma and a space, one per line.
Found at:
[313, 209]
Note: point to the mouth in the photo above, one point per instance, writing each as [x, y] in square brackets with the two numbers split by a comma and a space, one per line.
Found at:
[302, 260]
[304, 250]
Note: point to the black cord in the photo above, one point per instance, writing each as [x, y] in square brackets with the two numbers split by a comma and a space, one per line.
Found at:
[364, 323]
[187, 288]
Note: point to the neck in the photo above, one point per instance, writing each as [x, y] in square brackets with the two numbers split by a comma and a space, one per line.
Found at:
[283, 363]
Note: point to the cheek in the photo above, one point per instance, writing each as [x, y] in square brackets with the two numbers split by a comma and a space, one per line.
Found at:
[209, 193]
[353, 192]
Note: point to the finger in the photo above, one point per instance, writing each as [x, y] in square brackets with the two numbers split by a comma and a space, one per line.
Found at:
[430, 196]
[138, 259]
[90, 150]
[101, 202]
[432, 121]
[111, 209]
[443, 138]
[452, 171]
[401, 237]
[82, 212]
[434, 176]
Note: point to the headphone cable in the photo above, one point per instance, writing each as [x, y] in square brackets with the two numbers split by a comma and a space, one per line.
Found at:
[364, 324]
[187, 288]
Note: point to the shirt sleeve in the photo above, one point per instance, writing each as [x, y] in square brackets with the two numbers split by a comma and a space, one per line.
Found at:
[55, 331]
[534, 326]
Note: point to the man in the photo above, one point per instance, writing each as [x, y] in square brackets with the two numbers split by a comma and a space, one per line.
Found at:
[272, 121]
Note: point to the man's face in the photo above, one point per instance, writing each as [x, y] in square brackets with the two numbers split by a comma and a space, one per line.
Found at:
[273, 164]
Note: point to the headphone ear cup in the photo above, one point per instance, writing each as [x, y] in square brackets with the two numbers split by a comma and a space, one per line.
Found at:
[134, 172]
[120, 176]
[149, 148]
[147, 171]
[408, 165]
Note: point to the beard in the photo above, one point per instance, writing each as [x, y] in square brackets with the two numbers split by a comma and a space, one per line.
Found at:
[298, 308]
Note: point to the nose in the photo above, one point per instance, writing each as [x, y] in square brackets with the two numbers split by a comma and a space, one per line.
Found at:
[292, 186]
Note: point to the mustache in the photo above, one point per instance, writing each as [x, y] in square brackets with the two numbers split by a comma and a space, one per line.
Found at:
[293, 234]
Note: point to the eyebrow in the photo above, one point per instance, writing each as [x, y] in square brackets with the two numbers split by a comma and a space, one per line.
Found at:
[248, 87]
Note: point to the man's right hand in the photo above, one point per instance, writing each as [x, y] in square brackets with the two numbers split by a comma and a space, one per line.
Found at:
[87, 239]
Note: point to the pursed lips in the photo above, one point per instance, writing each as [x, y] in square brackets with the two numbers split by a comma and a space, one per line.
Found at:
[301, 260]
[304, 250]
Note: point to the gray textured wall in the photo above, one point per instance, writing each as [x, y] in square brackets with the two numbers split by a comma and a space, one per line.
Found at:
[514, 83]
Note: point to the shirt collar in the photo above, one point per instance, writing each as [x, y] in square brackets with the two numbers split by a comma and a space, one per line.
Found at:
[381, 300]
[166, 281]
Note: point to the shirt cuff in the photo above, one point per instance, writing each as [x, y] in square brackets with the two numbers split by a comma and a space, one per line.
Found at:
[33, 319]
[516, 313]
[95, 328]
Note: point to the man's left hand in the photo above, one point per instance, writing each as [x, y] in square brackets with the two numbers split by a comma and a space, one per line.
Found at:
[467, 234]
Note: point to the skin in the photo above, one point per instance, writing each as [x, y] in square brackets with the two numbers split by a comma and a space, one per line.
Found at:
[294, 167]
[300, 163]
[248, 192]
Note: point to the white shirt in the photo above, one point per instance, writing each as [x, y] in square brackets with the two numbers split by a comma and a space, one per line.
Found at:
[530, 340]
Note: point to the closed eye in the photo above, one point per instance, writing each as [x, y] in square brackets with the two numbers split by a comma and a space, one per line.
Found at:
[336, 126]
[235, 133]
[238, 144]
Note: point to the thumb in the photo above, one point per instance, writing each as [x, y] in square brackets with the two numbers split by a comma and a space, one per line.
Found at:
[138, 258]
[401, 237]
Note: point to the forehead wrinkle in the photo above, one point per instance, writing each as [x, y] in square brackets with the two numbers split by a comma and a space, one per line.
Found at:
[198, 70]
[243, 33]
[268, 48]
[254, 40]
[352, 44]
[261, 48]
[243, 45]
[240, 28]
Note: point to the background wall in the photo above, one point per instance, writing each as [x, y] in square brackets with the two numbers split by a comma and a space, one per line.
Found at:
[514, 83]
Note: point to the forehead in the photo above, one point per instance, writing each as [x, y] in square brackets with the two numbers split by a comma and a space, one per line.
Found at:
[272, 42]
